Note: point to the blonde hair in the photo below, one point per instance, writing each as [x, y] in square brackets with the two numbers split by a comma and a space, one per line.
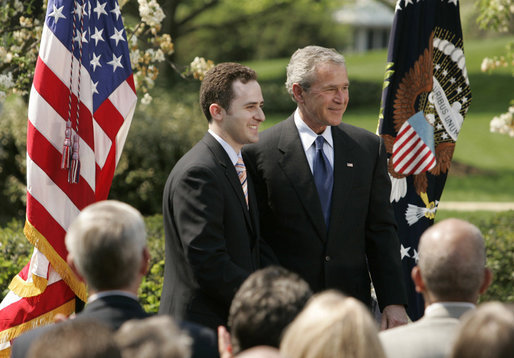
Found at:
[332, 325]
[486, 332]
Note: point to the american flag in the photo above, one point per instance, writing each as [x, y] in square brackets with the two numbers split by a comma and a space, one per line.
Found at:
[425, 99]
[81, 105]
[413, 149]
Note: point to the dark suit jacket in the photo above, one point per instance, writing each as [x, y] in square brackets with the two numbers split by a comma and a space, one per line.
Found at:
[212, 239]
[362, 230]
[114, 311]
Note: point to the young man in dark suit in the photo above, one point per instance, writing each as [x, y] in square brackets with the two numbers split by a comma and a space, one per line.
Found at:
[209, 207]
[323, 190]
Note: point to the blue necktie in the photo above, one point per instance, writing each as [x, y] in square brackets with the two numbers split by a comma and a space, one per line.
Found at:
[323, 178]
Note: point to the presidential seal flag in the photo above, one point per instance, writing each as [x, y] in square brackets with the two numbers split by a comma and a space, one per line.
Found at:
[80, 108]
[425, 98]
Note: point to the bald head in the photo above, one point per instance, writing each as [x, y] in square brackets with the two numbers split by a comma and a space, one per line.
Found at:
[452, 261]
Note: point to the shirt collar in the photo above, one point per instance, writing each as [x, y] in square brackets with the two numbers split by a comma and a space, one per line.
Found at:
[102, 294]
[435, 305]
[307, 135]
[228, 148]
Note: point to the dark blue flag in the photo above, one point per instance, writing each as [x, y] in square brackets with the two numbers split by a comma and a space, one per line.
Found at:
[424, 101]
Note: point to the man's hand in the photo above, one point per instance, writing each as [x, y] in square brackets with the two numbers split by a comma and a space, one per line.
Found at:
[393, 316]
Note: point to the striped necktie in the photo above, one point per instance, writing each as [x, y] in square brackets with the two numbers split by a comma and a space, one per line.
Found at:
[241, 173]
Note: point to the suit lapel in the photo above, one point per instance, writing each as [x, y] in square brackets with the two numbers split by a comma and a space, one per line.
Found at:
[252, 200]
[344, 163]
[294, 163]
[230, 173]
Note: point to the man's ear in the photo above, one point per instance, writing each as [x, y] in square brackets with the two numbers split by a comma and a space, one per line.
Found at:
[418, 279]
[217, 112]
[298, 92]
[145, 264]
[488, 278]
[71, 263]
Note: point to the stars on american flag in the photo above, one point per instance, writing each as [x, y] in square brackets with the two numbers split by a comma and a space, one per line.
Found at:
[79, 10]
[82, 38]
[116, 11]
[57, 13]
[115, 62]
[415, 256]
[100, 9]
[406, 3]
[98, 38]
[118, 36]
[95, 61]
[93, 87]
[404, 251]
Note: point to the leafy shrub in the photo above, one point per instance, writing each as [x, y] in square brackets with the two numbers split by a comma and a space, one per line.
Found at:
[151, 287]
[277, 100]
[15, 252]
[160, 135]
[497, 229]
[499, 236]
[13, 139]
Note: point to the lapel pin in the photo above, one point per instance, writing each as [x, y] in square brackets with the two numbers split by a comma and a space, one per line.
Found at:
[349, 165]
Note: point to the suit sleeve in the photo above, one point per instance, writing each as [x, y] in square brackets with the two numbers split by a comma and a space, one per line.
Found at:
[198, 203]
[382, 243]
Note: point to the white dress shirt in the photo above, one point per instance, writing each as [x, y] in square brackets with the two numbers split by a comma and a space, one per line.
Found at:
[308, 137]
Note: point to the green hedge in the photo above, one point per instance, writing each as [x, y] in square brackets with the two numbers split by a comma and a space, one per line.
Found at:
[363, 94]
[497, 228]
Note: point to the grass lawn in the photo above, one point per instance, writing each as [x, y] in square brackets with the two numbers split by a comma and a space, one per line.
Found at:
[471, 216]
[490, 155]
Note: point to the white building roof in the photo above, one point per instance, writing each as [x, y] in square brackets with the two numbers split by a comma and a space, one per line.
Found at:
[365, 13]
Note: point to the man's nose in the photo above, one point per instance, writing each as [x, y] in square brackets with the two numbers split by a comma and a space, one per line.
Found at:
[340, 95]
[260, 116]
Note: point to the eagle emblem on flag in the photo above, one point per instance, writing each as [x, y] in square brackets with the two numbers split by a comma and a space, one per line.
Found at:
[425, 98]
[429, 109]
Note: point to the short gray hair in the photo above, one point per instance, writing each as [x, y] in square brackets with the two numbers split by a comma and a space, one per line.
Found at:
[302, 65]
[452, 260]
[106, 242]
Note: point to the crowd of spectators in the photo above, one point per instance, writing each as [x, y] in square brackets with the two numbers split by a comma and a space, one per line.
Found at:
[274, 313]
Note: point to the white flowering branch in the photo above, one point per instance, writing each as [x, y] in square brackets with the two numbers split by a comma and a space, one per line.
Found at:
[496, 15]
[20, 34]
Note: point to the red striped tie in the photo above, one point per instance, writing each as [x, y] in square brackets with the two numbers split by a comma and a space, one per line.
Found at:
[241, 173]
